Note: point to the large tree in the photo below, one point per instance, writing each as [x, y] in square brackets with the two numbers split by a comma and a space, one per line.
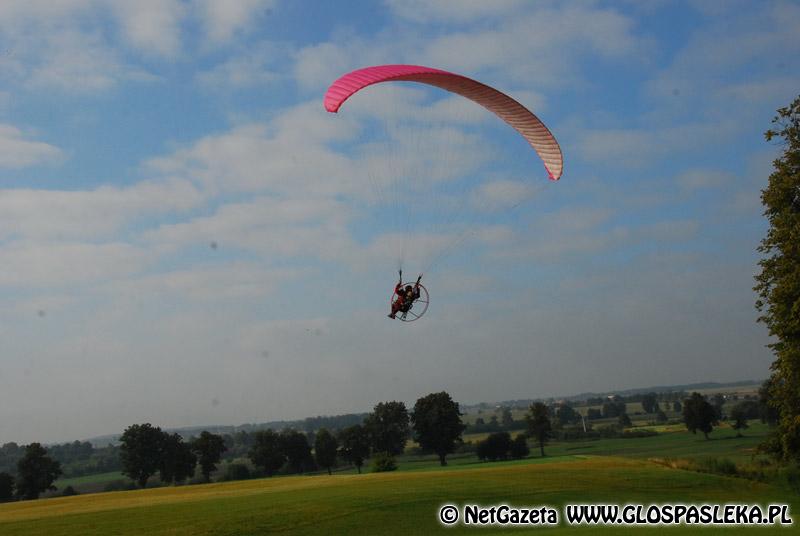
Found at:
[208, 448]
[778, 283]
[739, 419]
[296, 448]
[650, 403]
[267, 451]
[325, 446]
[539, 427]
[36, 472]
[141, 446]
[354, 445]
[698, 414]
[388, 427]
[6, 487]
[437, 424]
[177, 460]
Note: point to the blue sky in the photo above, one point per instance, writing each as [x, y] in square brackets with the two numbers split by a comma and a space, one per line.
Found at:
[187, 237]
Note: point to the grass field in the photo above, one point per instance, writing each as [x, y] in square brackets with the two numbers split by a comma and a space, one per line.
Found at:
[386, 503]
[612, 471]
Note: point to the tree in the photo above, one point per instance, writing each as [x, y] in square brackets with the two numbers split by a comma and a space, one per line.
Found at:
[567, 415]
[539, 428]
[6, 487]
[718, 401]
[739, 419]
[506, 418]
[593, 414]
[677, 407]
[388, 427]
[208, 448]
[768, 409]
[295, 446]
[140, 451]
[624, 421]
[519, 447]
[661, 417]
[177, 460]
[613, 408]
[778, 283]
[437, 424]
[325, 446]
[266, 451]
[36, 472]
[650, 403]
[495, 447]
[698, 414]
[354, 441]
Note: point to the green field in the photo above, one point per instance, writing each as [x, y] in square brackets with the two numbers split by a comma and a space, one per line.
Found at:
[613, 471]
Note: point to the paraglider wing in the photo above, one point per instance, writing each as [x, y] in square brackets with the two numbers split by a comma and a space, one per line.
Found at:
[506, 108]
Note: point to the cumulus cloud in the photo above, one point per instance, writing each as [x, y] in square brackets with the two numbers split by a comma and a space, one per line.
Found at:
[75, 214]
[223, 18]
[17, 152]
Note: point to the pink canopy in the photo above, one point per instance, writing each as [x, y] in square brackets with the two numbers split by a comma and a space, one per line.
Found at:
[506, 108]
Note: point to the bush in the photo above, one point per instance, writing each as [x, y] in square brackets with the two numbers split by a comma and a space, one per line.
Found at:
[718, 466]
[519, 447]
[382, 462]
[68, 492]
[495, 447]
[120, 485]
[237, 471]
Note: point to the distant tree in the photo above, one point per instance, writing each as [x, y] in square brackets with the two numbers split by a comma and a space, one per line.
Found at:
[778, 284]
[479, 421]
[613, 408]
[177, 460]
[593, 414]
[506, 418]
[6, 487]
[650, 403]
[267, 452]
[295, 446]
[208, 448]
[495, 447]
[698, 414]
[325, 446]
[739, 418]
[539, 427]
[140, 451]
[718, 401]
[354, 445]
[567, 415]
[624, 421]
[437, 424]
[661, 417]
[677, 407]
[388, 427]
[69, 491]
[519, 447]
[494, 424]
[36, 472]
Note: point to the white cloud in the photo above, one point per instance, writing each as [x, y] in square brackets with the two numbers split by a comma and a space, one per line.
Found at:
[17, 152]
[152, 26]
[56, 264]
[249, 68]
[223, 18]
[54, 214]
[456, 11]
